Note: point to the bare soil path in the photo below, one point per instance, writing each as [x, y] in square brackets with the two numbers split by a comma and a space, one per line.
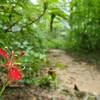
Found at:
[84, 75]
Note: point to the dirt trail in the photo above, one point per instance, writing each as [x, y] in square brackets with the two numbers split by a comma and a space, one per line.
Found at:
[84, 75]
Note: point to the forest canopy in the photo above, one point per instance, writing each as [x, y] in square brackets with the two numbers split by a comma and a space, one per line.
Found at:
[78, 20]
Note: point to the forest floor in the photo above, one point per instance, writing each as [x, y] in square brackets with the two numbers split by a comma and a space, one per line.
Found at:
[76, 72]
[76, 80]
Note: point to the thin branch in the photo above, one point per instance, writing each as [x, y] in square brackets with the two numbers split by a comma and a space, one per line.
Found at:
[8, 29]
[38, 18]
[52, 20]
[14, 12]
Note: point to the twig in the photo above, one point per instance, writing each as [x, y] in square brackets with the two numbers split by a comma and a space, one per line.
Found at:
[45, 8]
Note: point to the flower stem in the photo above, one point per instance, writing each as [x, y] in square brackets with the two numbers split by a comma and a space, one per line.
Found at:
[3, 88]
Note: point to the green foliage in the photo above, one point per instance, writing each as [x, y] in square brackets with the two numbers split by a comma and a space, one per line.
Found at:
[25, 26]
[18, 33]
[47, 81]
[84, 24]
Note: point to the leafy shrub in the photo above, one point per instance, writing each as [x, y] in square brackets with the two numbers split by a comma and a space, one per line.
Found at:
[84, 25]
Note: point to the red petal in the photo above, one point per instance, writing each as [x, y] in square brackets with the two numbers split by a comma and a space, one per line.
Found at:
[3, 54]
[14, 74]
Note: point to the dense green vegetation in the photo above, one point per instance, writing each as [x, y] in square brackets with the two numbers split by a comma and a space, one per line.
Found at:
[84, 23]
[29, 27]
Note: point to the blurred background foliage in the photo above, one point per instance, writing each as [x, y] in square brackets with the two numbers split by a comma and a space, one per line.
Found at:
[84, 22]
[35, 26]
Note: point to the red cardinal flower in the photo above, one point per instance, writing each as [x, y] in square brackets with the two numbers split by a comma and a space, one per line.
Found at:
[3, 54]
[14, 73]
